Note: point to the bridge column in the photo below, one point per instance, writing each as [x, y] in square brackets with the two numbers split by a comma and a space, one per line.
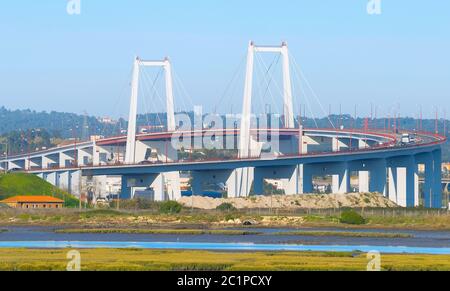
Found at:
[51, 178]
[402, 181]
[338, 144]
[34, 163]
[133, 183]
[65, 160]
[341, 180]
[125, 192]
[306, 179]
[50, 160]
[158, 188]
[173, 185]
[416, 186]
[392, 193]
[75, 182]
[362, 144]
[240, 182]
[293, 183]
[64, 180]
[17, 164]
[378, 176]
[27, 164]
[363, 180]
[100, 155]
[427, 188]
[85, 156]
[197, 183]
[165, 153]
[258, 182]
[436, 199]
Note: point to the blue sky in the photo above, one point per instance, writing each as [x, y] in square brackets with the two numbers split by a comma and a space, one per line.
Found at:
[50, 60]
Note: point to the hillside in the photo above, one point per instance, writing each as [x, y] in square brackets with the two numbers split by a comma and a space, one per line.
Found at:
[25, 184]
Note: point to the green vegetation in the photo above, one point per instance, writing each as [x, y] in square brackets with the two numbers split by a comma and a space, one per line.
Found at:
[162, 231]
[136, 204]
[188, 218]
[346, 234]
[173, 260]
[351, 217]
[30, 185]
[226, 207]
[170, 207]
[102, 213]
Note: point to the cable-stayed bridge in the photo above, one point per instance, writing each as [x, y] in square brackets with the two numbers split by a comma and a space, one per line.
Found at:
[267, 146]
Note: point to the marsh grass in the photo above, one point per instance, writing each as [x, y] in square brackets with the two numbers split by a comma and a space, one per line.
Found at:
[169, 260]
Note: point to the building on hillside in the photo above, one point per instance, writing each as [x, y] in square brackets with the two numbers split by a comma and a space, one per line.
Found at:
[107, 120]
[34, 202]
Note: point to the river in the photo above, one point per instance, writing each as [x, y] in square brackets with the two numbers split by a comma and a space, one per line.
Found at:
[424, 242]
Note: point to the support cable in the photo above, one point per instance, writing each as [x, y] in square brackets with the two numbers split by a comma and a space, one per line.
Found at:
[312, 91]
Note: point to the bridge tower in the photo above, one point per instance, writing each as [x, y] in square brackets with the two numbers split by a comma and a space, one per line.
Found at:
[160, 182]
[244, 149]
[245, 175]
[130, 157]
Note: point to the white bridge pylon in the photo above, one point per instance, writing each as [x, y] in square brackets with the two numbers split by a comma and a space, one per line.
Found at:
[130, 154]
[244, 149]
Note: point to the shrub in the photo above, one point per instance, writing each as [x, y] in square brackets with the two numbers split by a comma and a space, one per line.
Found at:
[101, 213]
[136, 204]
[229, 217]
[170, 207]
[351, 217]
[226, 207]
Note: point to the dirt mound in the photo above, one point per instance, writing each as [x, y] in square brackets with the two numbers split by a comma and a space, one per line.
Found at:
[296, 201]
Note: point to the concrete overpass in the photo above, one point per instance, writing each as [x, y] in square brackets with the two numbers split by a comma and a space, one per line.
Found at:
[382, 164]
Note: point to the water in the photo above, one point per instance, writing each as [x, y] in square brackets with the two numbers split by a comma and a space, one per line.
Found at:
[425, 242]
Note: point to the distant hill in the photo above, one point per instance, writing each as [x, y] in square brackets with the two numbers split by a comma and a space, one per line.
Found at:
[61, 124]
[15, 184]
